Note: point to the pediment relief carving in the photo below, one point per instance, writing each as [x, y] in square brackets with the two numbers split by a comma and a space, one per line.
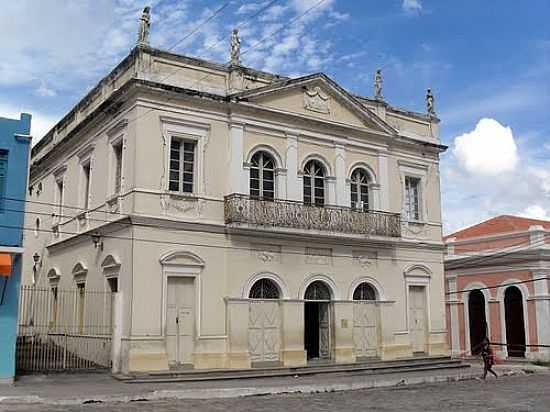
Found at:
[316, 101]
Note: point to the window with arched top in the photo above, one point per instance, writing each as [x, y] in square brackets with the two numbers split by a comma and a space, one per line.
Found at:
[264, 289]
[364, 291]
[317, 290]
[262, 176]
[360, 190]
[314, 183]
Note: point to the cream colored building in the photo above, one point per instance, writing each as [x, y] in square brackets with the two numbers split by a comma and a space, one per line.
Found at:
[243, 218]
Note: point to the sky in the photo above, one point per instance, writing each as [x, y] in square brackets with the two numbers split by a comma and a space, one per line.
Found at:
[488, 63]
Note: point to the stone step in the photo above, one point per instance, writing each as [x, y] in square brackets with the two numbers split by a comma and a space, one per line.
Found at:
[373, 367]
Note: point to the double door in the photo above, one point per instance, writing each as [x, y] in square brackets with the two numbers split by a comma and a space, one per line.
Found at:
[418, 318]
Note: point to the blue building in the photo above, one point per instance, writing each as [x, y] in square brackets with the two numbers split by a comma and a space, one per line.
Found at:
[15, 142]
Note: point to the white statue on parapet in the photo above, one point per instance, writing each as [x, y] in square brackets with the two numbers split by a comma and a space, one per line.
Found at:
[144, 27]
[378, 85]
[235, 50]
[430, 103]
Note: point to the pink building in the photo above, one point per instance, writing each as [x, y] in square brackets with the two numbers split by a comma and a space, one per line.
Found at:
[496, 283]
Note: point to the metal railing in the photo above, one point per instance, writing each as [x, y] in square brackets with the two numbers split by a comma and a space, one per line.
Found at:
[243, 209]
[63, 330]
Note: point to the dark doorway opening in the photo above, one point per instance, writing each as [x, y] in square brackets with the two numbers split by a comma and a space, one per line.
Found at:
[477, 320]
[515, 327]
[311, 330]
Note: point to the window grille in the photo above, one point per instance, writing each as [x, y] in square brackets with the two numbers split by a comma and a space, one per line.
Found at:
[86, 186]
[182, 166]
[314, 183]
[359, 190]
[317, 291]
[364, 292]
[264, 289]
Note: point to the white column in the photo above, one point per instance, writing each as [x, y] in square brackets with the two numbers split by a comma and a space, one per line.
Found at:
[331, 190]
[293, 187]
[542, 308]
[383, 180]
[281, 181]
[116, 339]
[236, 175]
[340, 171]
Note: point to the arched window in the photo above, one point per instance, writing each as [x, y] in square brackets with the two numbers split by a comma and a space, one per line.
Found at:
[360, 190]
[314, 183]
[264, 289]
[262, 176]
[364, 292]
[317, 291]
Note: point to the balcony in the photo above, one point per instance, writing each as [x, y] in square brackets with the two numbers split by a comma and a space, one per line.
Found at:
[243, 209]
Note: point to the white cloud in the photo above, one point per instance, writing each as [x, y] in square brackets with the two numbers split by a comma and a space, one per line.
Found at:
[45, 91]
[535, 212]
[412, 6]
[488, 150]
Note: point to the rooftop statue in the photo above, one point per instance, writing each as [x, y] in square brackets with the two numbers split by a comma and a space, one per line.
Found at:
[378, 85]
[144, 27]
[430, 102]
[235, 48]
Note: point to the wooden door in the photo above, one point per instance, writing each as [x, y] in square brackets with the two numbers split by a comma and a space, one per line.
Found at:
[324, 331]
[180, 320]
[418, 318]
[264, 331]
[365, 329]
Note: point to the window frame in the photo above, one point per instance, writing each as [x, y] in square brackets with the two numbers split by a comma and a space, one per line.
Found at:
[261, 176]
[359, 194]
[181, 171]
[4, 157]
[412, 207]
[313, 180]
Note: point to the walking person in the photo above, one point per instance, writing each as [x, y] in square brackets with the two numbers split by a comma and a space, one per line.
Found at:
[488, 358]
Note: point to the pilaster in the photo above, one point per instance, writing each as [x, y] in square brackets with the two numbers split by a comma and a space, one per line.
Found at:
[293, 191]
[236, 174]
[383, 179]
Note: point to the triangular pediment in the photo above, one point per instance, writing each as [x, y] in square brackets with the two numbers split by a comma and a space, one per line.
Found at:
[319, 97]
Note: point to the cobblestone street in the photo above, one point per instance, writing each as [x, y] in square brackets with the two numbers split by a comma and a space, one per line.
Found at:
[518, 393]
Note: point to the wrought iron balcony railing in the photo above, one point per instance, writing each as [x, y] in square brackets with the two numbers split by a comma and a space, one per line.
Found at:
[243, 209]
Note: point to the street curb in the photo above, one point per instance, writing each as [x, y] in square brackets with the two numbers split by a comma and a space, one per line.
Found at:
[224, 393]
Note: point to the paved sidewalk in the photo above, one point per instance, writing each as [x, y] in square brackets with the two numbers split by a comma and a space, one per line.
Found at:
[77, 389]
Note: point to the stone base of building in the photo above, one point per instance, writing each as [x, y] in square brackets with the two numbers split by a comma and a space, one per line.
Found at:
[7, 381]
[294, 358]
[344, 355]
[141, 361]
[238, 360]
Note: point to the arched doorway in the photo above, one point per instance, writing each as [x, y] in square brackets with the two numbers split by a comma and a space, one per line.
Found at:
[477, 320]
[515, 326]
[317, 321]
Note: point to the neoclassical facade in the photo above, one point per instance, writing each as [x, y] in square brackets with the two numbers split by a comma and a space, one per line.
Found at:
[242, 218]
[496, 286]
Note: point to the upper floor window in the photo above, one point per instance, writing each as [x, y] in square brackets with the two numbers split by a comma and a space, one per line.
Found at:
[3, 177]
[182, 165]
[262, 176]
[117, 152]
[412, 198]
[60, 195]
[314, 183]
[359, 190]
[86, 169]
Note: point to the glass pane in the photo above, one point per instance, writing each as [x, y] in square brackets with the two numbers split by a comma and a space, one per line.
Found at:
[175, 165]
[174, 186]
[319, 182]
[268, 186]
[254, 173]
[189, 146]
[188, 188]
[269, 195]
[188, 177]
[255, 193]
[268, 175]
[175, 144]
[188, 167]
[188, 156]
[174, 175]
[254, 184]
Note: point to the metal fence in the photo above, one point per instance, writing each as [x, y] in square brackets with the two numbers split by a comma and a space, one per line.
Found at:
[62, 330]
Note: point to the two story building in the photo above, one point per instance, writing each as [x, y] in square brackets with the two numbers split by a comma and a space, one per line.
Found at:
[242, 218]
[14, 155]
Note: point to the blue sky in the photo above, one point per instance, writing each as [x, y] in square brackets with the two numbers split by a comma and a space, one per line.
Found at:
[483, 59]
